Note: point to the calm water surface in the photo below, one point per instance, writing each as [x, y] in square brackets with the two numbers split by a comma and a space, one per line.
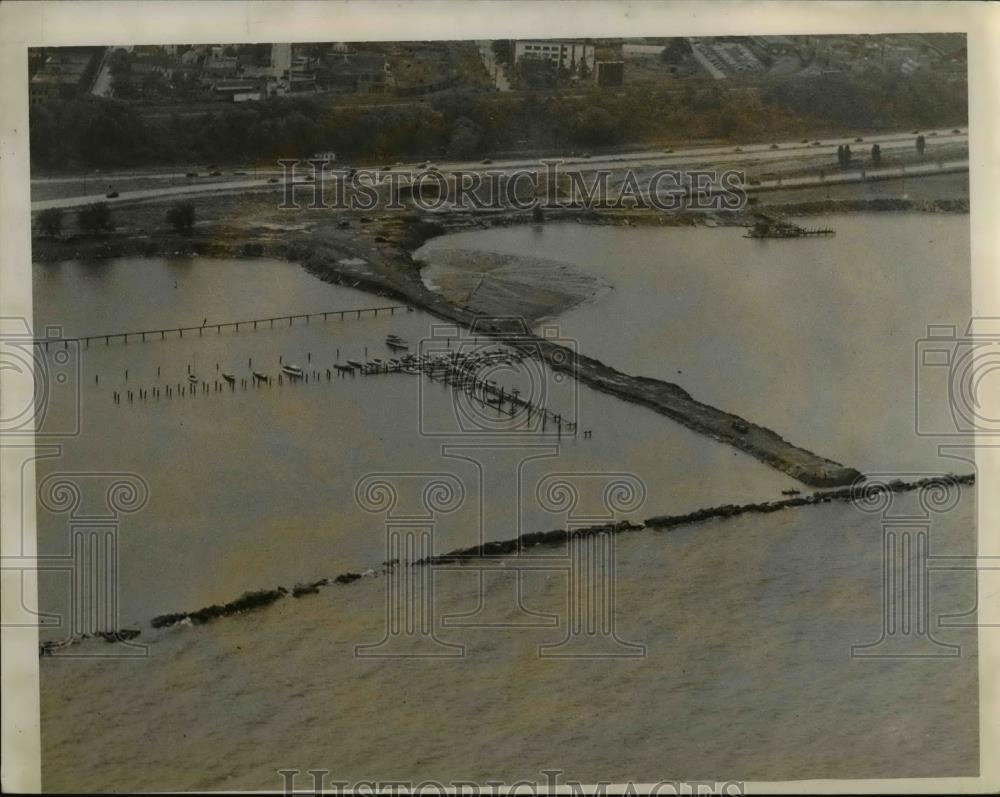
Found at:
[815, 337]
[252, 488]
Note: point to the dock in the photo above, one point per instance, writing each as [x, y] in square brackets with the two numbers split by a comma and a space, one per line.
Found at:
[251, 323]
[771, 227]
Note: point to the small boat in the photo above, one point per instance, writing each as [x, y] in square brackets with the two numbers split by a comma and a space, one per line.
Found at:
[355, 364]
[228, 377]
[791, 492]
[192, 378]
[292, 370]
[261, 377]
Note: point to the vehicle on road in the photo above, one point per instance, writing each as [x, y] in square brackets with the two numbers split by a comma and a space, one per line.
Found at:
[111, 195]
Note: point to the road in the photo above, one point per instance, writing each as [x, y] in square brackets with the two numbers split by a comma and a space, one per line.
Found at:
[495, 69]
[715, 155]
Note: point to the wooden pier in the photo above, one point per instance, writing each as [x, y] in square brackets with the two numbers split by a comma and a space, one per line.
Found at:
[770, 227]
[251, 323]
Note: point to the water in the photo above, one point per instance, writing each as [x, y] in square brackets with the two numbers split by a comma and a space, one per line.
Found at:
[815, 338]
[256, 487]
[748, 625]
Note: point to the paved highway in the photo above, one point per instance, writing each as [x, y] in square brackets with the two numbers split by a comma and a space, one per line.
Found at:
[715, 155]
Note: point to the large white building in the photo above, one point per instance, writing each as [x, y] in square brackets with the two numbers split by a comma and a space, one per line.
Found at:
[575, 56]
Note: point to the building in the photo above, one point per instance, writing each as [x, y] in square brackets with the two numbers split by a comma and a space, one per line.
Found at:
[357, 72]
[609, 74]
[642, 50]
[65, 72]
[281, 60]
[574, 56]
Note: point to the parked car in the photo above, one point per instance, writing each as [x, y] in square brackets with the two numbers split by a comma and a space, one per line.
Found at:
[858, 140]
[956, 130]
[112, 195]
[487, 161]
[774, 146]
[215, 173]
[272, 179]
[191, 174]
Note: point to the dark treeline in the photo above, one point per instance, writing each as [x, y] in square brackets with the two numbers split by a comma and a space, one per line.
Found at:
[102, 133]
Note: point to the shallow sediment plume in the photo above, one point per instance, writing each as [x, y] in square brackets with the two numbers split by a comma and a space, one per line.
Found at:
[861, 492]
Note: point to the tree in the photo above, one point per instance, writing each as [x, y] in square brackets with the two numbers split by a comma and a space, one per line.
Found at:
[181, 217]
[95, 218]
[675, 52]
[503, 49]
[50, 222]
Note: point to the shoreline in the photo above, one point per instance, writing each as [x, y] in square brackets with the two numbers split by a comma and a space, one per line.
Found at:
[395, 274]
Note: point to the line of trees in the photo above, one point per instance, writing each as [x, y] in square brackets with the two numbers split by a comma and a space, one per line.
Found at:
[98, 132]
[92, 219]
[96, 218]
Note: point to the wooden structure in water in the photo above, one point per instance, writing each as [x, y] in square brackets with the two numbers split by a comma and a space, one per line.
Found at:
[251, 323]
[770, 227]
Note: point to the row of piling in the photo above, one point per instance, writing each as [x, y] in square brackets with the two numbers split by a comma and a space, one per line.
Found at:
[456, 370]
